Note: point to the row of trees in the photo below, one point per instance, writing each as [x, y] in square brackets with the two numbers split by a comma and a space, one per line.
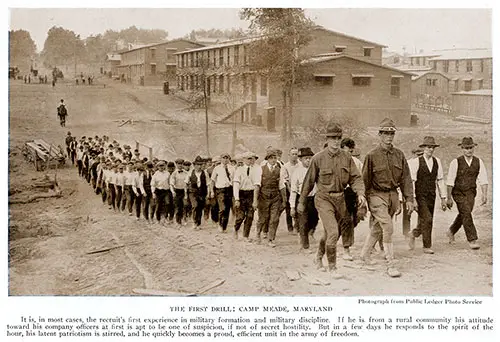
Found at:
[64, 46]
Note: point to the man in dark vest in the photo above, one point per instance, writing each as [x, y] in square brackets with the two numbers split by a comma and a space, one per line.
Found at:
[222, 188]
[426, 172]
[197, 184]
[146, 183]
[463, 174]
[269, 196]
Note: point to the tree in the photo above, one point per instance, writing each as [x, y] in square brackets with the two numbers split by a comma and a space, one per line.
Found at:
[283, 32]
[62, 46]
[22, 48]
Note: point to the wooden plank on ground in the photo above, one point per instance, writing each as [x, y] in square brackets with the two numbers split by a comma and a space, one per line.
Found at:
[212, 285]
[153, 292]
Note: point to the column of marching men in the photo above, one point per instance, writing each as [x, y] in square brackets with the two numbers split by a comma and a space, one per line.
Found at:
[332, 185]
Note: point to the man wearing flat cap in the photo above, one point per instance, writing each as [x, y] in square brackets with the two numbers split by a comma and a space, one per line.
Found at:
[331, 170]
[385, 169]
[177, 187]
[197, 186]
[243, 192]
[269, 197]
[222, 188]
[308, 219]
[160, 185]
[426, 173]
[463, 175]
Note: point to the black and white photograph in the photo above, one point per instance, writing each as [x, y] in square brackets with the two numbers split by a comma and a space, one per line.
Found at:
[250, 151]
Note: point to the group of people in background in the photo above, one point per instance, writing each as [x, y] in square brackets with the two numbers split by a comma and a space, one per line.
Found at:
[332, 185]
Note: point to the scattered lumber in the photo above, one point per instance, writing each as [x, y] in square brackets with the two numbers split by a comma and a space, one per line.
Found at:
[292, 275]
[313, 280]
[124, 123]
[35, 197]
[211, 286]
[107, 249]
[153, 292]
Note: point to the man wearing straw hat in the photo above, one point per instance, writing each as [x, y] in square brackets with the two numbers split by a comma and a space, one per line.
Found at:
[384, 170]
[426, 172]
[463, 174]
[331, 170]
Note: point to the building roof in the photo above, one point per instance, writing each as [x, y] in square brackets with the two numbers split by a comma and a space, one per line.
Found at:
[246, 40]
[463, 54]
[419, 74]
[479, 92]
[114, 57]
[435, 54]
[329, 57]
[161, 43]
[319, 27]
[223, 44]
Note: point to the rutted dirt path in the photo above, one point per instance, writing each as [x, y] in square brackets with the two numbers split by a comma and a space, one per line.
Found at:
[51, 239]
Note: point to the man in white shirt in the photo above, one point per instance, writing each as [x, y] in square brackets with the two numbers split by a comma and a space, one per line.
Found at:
[290, 166]
[119, 185]
[138, 188]
[160, 184]
[79, 160]
[177, 186]
[426, 173]
[308, 219]
[269, 197]
[197, 187]
[222, 188]
[463, 174]
[111, 180]
[243, 191]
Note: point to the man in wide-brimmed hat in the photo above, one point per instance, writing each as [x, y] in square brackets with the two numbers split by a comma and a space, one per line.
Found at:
[463, 174]
[308, 219]
[384, 170]
[426, 172]
[331, 170]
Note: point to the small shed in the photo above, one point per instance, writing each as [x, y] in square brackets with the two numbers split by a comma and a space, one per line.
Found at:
[476, 104]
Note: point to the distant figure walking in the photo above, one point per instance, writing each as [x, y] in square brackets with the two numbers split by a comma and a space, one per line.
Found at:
[62, 112]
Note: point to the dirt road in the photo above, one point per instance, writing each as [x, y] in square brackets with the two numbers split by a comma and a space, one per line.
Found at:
[50, 240]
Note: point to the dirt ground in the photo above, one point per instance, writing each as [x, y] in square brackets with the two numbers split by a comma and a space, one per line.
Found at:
[50, 239]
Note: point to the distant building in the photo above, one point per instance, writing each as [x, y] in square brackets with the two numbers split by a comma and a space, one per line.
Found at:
[345, 86]
[112, 62]
[467, 69]
[235, 88]
[393, 59]
[430, 87]
[421, 60]
[154, 63]
[473, 104]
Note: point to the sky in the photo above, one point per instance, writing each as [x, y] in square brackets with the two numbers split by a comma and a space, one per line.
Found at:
[410, 29]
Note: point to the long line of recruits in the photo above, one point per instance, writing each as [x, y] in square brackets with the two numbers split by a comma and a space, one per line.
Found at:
[332, 185]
